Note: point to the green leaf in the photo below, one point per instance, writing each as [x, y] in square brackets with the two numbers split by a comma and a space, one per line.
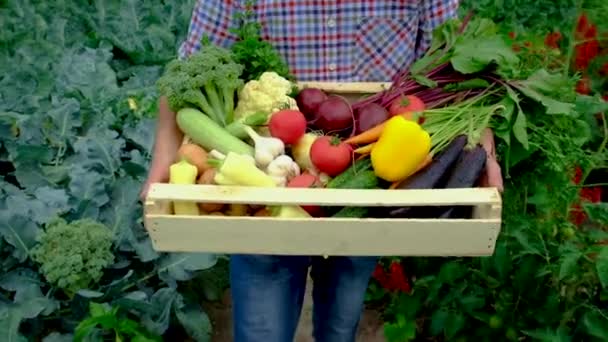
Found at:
[195, 321]
[597, 212]
[601, 266]
[19, 231]
[451, 271]
[181, 266]
[439, 321]
[595, 324]
[400, 332]
[568, 265]
[454, 324]
[545, 88]
[58, 337]
[424, 81]
[475, 54]
[100, 150]
[10, 320]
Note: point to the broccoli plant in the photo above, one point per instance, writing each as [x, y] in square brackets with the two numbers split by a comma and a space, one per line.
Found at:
[73, 255]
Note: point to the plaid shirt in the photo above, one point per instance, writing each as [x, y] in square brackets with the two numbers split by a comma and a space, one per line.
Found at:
[331, 40]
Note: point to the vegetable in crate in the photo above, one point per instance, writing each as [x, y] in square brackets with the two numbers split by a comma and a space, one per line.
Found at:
[288, 125]
[401, 148]
[269, 94]
[334, 115]
[207, 79]
[359, 176]
[208, 134]
[301, 151]
[194, 155]
[207, 179]
[407, 104]
[282, 170]
[236, 169]
[307, 180]
[308, 101]
[431, 176]
[183, 172]
[266, 148]
[330, 156]
[369, 116]
[465, 174]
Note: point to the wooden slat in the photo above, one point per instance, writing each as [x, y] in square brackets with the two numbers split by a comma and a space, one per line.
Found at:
[347, 88]
[305, 196]
[377, 237]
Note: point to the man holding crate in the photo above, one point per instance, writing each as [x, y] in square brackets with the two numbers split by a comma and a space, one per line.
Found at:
[322, 40]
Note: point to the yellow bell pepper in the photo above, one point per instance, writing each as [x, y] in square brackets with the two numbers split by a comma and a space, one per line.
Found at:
[401, 148]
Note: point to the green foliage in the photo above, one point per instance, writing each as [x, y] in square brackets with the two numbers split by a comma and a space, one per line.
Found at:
[111, 319]
[77, 106]
[256, 55]
[73, 255]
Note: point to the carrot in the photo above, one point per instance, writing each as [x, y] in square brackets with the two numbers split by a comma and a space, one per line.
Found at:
[366, 137]
[367, 149]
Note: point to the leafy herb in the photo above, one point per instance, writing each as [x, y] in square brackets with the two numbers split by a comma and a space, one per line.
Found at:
[250, 50]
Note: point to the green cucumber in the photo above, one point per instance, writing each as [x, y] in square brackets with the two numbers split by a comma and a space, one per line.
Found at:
[349, 178]
[207, 133]
[362, 179]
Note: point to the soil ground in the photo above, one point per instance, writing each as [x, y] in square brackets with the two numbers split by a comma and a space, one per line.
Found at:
[370, 327]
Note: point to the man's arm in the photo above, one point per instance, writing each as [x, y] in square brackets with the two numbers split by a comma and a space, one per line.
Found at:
[212, 17]
[167, 141]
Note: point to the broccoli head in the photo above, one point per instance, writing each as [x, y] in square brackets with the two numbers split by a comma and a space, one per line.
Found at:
[207, 79]
[73, 255]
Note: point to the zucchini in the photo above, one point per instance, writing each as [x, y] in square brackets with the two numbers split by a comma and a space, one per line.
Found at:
[208, 134]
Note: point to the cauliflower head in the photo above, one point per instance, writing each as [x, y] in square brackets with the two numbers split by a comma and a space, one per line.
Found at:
[269, 94]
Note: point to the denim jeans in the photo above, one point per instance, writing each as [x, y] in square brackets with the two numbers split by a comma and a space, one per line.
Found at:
[268, 291]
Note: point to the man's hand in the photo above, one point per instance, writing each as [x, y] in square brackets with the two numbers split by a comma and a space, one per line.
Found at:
[492, 176]
[167, 141]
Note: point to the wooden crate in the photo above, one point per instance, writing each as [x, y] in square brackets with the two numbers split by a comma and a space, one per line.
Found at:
[324, 236]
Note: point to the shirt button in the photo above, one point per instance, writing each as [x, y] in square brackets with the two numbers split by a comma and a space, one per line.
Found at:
[331, 23]
[332, 66]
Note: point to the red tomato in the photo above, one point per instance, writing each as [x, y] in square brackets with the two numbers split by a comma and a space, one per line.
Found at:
[288, 125]
[408, 103]
[307, 180]
[330, 155]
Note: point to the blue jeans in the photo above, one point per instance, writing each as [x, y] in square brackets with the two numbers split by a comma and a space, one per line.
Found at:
[268, 291]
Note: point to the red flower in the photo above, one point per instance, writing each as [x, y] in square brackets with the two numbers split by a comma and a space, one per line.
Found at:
[582, 25]
[512, 35]
[583, 86]
[394, 280]
[578, 175]
[552, 40]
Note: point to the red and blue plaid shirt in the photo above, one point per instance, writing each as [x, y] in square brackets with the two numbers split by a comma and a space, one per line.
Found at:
[331, 40]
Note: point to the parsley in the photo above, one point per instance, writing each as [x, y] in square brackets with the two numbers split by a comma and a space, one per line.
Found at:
[250, 50]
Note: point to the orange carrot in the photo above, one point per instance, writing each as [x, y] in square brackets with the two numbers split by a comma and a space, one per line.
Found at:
[366, 137]
[372, 134]
[367, 149]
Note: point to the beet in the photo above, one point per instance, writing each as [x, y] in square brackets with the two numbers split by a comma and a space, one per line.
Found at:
[308, 101]
[369, 116]
[334, 115]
